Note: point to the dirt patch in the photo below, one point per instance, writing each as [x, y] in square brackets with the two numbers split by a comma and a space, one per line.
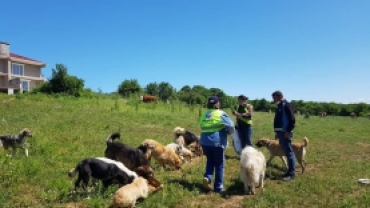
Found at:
[363, 144]
[74, 205]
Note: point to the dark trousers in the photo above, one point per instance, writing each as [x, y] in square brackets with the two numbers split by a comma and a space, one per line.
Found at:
[286, 145]
[245, 135]
[215, 163]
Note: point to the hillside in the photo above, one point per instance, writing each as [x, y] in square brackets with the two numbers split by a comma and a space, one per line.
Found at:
[67, 130]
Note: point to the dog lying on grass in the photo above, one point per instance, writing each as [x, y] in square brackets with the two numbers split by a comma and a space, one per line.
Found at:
[127, 195]
[164, 155]
[102, 169]
[16, 141]
[252, 169]
[275, 149]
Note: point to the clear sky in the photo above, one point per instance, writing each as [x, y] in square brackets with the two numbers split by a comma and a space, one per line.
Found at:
[315, 50]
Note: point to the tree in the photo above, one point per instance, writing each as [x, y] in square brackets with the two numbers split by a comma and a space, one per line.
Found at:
[128, 87]
[61, 82]
[152, 89]
[165, 91]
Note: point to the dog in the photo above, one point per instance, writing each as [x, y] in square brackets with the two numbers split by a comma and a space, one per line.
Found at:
[127, 195]
[181, 151]
[132, 158]
[188, 139]
[275, 150]
[16, 141]
[162, 154]
[101, 169]
[252, 169]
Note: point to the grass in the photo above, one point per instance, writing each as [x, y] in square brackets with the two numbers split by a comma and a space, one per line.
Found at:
[67, 130]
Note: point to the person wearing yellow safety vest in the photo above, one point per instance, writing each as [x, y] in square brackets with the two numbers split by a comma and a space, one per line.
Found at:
[215, 125]
[243, 113]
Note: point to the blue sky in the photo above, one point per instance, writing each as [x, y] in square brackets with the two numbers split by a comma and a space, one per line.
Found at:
[311, 50]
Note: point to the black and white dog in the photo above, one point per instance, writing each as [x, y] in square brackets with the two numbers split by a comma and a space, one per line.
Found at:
[103, 169]
[16, 141]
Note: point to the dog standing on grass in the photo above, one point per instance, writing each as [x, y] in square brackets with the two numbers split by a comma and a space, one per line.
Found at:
[16, 141]
[164, 155]
[275, 149]
[127, 195]
[252, 169]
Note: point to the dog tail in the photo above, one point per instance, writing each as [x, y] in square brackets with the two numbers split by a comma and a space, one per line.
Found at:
[305, 141]
[112, 137]
[72, 172]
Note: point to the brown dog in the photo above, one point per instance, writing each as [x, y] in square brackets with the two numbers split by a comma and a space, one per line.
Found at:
[164, 155]
[275, 150]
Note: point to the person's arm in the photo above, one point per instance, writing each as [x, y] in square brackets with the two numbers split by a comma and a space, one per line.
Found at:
[290, 114]
[228, 122]
[250, 112]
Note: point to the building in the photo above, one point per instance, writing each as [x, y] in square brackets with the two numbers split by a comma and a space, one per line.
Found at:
[18, 73]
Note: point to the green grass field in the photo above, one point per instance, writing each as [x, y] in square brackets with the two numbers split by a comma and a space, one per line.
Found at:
[67, 130]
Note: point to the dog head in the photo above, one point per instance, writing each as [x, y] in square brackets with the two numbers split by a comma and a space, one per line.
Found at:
[178, 131]
[26, 132]
[147, 145]
[263, 142]
[145, 171]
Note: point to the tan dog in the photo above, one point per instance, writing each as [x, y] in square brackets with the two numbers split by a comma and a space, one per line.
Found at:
[164, 155]
[275, 150]
[127, 195]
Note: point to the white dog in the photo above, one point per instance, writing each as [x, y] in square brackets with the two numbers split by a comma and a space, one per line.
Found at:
[252, 169]
[181, 151]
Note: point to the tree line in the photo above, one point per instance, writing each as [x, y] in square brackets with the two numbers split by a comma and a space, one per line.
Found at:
[62, 82]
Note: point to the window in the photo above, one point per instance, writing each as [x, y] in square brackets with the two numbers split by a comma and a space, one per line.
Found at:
[25, 85]
[17, 69]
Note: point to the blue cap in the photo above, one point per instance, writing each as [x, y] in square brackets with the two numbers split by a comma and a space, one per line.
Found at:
[213, 99]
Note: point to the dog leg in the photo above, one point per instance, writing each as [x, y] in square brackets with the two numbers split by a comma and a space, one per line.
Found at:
[270, 159]
[25, 151]
[302, 165]
[260, 184]
[14, 151]
[284, 161]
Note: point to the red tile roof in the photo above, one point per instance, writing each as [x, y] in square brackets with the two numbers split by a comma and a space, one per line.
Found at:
[13, 55]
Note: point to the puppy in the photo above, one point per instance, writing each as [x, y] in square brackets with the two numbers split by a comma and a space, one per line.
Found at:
[275, 150]
[181, 151]
[132, 158]
[16, 141]
[188, 139]
[252, 169]
[99, 169]
[127, 195]
[179, 138]
[162, 154]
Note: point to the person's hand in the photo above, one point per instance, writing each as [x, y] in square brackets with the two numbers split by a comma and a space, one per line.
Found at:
[276, 137]
[287, 135]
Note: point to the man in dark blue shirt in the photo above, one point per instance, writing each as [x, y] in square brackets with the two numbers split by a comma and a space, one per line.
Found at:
[284, 123]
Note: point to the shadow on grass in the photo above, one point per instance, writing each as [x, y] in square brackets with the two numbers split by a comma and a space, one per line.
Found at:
[232, 157]
[188, 185]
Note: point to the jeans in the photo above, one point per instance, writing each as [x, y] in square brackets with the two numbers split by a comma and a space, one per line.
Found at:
[245, 135]
[215, 162]
[286, 145]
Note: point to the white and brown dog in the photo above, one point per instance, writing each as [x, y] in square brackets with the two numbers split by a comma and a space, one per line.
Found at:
[16, 141]
[184, 153]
